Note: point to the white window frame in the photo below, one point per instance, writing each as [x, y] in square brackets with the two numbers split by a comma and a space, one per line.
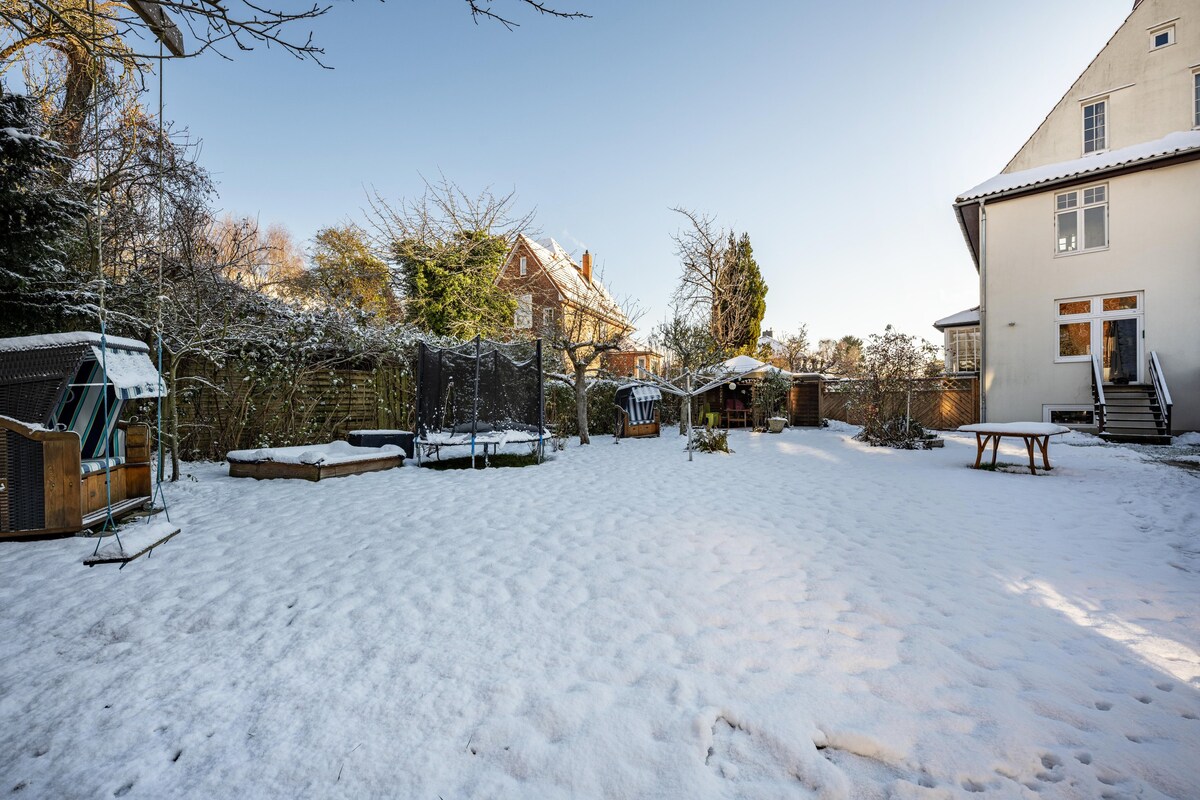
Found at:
[548, 318]
[1047, 411]
[1168, 29]
[956, 355]
[524, 266]
[1196, 98]
[1095, 318]
[1079, 206]
[523, 316]
[1099, 101]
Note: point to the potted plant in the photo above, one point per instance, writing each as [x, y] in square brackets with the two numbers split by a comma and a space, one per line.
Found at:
[770, 399]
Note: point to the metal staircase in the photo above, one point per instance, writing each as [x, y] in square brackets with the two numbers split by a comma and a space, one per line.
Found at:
[1133, 412]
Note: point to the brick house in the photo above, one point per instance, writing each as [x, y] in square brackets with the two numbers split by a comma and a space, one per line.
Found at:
[552, 291]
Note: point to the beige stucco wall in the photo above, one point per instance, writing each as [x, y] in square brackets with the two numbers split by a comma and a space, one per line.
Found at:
[1154, 247]
[1159, 101]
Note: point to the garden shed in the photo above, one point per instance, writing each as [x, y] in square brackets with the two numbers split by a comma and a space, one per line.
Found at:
[732, 404]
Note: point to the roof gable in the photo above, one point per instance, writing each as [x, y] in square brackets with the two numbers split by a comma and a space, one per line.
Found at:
[568, 279]
[1140, 84]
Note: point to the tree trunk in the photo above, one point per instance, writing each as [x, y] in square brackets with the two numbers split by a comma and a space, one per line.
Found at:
[581, 411]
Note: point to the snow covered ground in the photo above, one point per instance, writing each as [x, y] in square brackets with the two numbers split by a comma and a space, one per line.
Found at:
[808, 617]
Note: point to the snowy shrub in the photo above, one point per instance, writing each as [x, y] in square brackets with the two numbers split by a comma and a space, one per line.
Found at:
[891, 364]
[560, 407]
[712, 440]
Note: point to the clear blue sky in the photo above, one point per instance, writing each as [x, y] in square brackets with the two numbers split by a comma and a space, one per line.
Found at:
[837, 137]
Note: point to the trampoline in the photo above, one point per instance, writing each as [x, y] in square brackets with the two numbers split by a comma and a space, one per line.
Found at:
[483, 395]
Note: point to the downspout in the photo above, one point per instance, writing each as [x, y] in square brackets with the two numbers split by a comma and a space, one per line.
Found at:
[982, 311]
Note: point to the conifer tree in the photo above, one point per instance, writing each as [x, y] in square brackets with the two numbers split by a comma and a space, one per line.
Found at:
[38, 219]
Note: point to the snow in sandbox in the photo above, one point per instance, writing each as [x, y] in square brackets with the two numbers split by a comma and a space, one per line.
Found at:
[338, 452]
[807, 617]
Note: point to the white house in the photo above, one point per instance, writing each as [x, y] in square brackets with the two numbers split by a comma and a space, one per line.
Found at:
[1087, 245]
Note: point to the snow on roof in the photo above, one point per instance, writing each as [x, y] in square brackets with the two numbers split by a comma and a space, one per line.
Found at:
[60, 339]
[771, 342]
[968, 317]
[742, 364]
[568, 276]
[1169, 145]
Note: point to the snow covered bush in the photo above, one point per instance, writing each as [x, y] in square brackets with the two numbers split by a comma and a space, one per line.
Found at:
[712, 440]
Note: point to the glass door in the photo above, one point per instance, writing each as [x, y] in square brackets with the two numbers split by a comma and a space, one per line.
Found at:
[1120, 345]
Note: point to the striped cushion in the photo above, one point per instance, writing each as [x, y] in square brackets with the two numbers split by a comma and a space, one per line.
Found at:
[90, 465]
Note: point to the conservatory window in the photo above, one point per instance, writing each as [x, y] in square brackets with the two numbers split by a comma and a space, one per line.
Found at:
[1081, 220]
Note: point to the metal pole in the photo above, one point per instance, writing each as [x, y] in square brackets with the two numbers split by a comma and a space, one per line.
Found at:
[687, 385]
[541, 401]
[420, 371]
[475, 401]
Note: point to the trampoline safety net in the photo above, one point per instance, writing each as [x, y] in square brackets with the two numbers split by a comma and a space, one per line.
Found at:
[480, 387]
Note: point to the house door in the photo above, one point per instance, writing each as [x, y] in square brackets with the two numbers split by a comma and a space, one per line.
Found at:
[1120, 346]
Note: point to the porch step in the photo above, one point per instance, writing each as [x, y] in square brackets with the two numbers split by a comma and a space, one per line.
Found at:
[1135, 438]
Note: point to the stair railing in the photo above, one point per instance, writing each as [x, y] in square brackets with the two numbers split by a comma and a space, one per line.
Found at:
[1098, 393]
[1159, 381]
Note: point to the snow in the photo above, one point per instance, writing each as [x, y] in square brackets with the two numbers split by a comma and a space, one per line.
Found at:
[60, 339]
[328, 454]
[1171, 144]
[499, 438]
[742, 364]
[377, 432]
[967, 317]
[621, 623]
[33, 426]
[132, 372]
[1016, 428]
[132, 539]
[1189, 438]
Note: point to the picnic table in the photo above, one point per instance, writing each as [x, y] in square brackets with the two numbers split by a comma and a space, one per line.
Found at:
[1031, 433]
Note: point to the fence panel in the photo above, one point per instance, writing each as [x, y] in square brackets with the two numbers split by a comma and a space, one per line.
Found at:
[937, 403]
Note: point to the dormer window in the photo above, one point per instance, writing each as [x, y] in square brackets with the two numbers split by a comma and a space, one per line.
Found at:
[1162, 37]
[1095, 128]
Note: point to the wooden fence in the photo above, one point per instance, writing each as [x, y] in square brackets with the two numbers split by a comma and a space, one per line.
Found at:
[937, 403]
[235, 407]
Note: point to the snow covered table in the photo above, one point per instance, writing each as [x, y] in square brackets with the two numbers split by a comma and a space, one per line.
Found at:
[312, 462]
[1029, 432]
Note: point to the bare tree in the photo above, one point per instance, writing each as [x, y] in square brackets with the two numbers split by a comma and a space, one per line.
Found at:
[690, 348]
[590, 325]
[446, 248]
[711, 286]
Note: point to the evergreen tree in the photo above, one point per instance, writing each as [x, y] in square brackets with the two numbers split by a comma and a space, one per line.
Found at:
[741, 302]
[39, 219]
[450, 287]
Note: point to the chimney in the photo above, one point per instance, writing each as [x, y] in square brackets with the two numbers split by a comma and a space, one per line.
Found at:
[587, 266]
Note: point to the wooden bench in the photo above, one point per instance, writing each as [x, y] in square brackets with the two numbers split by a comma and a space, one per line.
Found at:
[1031, 433]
